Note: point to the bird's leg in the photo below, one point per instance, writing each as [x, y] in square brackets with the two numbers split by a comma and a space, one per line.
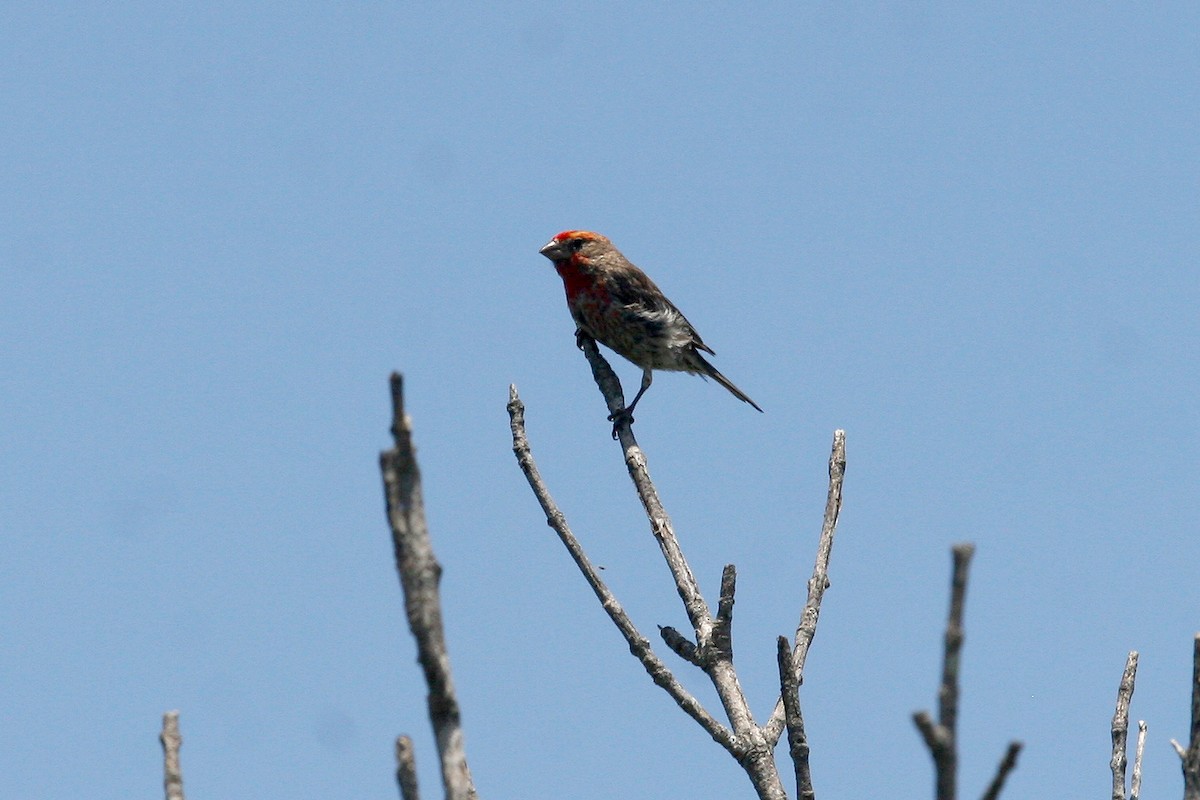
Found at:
[581, 336]
[626, 413]
[647, 379]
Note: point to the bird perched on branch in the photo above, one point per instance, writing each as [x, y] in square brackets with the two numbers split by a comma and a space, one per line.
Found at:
[615, 303]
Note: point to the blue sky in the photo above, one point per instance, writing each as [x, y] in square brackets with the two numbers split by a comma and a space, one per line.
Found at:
[967, 235]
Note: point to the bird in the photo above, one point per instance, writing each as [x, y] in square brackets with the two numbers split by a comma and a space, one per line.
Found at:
[616, 304]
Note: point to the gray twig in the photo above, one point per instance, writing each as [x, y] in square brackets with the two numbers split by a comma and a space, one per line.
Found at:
[420, 574]
[940, 737]
[722, 637]
[819, 581]
[660, 523]
[1120, 726]
[756, 752]
[680, 645]
[639, 645]
[1135, 789]
[713, 654]
[406, 769]
[1007, 765]
[171, 742]
[789, 691]
[1191, 756]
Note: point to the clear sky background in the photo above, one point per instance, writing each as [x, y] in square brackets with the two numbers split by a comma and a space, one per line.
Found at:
[968, 234]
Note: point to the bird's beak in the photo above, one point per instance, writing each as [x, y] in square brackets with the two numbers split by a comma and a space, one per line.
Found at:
[554, 250]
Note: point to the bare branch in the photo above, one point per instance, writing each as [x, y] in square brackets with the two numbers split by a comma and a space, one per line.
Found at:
[1120, 726]
[819, 581]
[1007, 765]
[171, 742]
[406, 769]
[754, 751]
[680, 645]
[942, 737]
[789, 690]
[1135, 790]
[955, 635]
[722, 638]
[937, 738]
[420, 574]
[638, 645]
[660, 523]
[1191, 756]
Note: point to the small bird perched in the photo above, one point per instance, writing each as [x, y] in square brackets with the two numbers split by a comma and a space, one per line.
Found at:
[617, 304]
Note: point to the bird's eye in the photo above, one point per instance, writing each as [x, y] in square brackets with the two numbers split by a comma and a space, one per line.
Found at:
[575, 245]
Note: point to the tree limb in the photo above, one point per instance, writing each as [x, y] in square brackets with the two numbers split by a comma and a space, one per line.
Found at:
[752, 749]
[789, 691]
[406, 769]
[639, 645]
[722, 637]
[660, 523]
[819, 581]
[171, 742]
[756, 756]
[680, 645]
[1120, 726]
[1007, 765]
[1191, 756]
[941, 737]
[1135, 790]
[420, 574]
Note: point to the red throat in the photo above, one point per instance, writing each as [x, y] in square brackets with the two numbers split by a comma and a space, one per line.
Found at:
[575, 280]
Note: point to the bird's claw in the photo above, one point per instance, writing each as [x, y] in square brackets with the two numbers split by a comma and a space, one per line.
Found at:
[617, 417]
[581, 338]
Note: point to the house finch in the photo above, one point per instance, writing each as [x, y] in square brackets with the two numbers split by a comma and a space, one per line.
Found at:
[616, 304]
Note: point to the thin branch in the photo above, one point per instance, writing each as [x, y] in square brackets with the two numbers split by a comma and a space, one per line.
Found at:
[722, 638]
[406, 769]
[756, 757]
[1120, 726]
[1007, 765]
[936, 737]
[755, 752]
[660, 523]
[639, 645]
[680, 645]
[941, 738]
[1191, 756]
[819, 581]
[420, 574]
[1135, 790]
[955, 635]
[789, 690]
[171, 742]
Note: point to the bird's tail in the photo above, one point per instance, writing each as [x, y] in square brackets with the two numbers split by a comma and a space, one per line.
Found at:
[712, 372]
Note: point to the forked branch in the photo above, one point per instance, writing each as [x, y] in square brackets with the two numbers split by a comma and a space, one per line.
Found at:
[819, 582]
[660, 523]
[715, 660]
[789, 685]
[639, 645]
[941, 736]
[1190, 756]
[420, 574]
[711, 648]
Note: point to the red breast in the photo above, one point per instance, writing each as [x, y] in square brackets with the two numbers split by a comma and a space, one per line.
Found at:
[576, 280]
